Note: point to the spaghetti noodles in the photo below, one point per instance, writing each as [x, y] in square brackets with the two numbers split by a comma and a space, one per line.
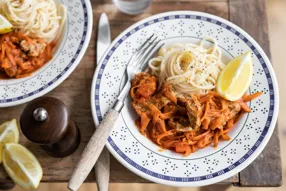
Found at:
[36, 18]
[189, 67]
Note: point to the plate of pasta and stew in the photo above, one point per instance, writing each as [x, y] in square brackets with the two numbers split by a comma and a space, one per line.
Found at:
[41, 43]
[202, 110]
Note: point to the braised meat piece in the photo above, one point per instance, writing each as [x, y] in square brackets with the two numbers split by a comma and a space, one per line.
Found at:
[194, 111]
[33, 47]
[180, 124]
[8, 67]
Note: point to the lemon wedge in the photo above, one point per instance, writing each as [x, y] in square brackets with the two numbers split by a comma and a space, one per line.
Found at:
[236, 77]
[5, 25]
[9, 133]
[22, 166]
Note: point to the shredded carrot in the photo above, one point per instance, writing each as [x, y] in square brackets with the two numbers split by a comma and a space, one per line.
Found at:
[217, 123]
[201, 144]
[21, 55]
[183, 148]
[201, 136]
[206, 123]
[205, 98]
[215, 94]
[169, 143]
[250, 97]
[244, 106]
[161, 136]
[144, 123]
[229, 126]
[194, 148]
[184, 124]
[216, 136]
[207, 107]
[167, 91]
[225, 137]
[244, 96]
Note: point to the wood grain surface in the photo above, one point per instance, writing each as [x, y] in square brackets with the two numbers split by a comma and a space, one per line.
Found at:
[75, 90]
[266, 170]
[92, 150]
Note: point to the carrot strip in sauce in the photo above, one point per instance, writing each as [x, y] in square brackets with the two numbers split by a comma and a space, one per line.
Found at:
[144, 123]
[244, 96]
[201, 144]
[206, 123]
[192, 142]
[250, 97]
[184, 123]
[20, 55]
[225, 137]
[201, 136]
[215, 94]
[205, 98]
[169, 143]
[244, 106]
[193, 148]
[217, 123]
[207, 107]
[161, 136]
[183, 148]
[229, 126]
[216, 136]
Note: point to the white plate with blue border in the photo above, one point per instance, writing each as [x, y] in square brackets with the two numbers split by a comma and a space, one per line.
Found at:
[205, 166]
[71, 46]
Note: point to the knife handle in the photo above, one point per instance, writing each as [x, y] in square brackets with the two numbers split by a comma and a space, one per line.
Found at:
[102, 170]
[92, 150]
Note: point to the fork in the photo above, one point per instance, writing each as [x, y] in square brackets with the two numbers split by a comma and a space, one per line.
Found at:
[96, 143]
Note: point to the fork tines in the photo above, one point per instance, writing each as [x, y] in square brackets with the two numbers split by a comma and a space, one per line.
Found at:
[145, 50]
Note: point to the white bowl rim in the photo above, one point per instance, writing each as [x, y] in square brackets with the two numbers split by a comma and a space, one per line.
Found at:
[25, 99]
[221, 177]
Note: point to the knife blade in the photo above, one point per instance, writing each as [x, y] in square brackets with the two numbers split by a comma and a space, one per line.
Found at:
[103, 36]
[102, 166]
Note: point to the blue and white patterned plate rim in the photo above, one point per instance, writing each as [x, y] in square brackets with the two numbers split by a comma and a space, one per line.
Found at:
[88, 22]
[213, 177]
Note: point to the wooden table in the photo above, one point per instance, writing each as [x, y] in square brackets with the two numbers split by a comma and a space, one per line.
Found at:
[250, 15]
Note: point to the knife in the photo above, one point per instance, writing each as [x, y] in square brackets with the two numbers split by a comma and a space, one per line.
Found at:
[102, 166]
[103, 36]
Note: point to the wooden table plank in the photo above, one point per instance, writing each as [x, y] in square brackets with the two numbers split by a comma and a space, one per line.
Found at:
[116, 17]
[167, 1]
[75, 91]
[119, 22]
[266, 170]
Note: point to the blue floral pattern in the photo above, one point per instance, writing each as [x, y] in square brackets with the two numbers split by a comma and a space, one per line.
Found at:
[167, 167]
[66, 57]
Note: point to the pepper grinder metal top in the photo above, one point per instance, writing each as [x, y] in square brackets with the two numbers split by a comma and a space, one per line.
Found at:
[40, 114]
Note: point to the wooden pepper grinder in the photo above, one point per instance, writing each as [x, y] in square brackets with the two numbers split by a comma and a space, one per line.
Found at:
[46, 121]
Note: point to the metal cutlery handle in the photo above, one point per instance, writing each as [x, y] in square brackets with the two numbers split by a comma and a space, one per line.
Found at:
[92, 150]
[102, 170]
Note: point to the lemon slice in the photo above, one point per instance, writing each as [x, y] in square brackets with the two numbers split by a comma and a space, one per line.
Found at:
[22, 166]
[236, 77]
[9, 133]
[5, 25]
